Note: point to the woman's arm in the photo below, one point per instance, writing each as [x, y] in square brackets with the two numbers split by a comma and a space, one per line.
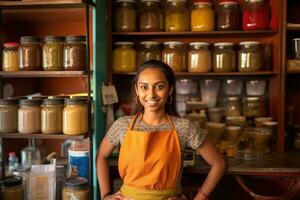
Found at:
[212, 156]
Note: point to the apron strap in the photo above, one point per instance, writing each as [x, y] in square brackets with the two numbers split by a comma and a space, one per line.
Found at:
[171, 122]
[132, 121]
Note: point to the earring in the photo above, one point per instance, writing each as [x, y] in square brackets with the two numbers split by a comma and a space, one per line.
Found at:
[169, 102]
[137, 101]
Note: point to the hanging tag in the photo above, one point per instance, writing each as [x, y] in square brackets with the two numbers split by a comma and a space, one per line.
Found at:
[109, 94]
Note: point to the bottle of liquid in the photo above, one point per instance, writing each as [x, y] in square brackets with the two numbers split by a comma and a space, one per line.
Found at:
[13, 162]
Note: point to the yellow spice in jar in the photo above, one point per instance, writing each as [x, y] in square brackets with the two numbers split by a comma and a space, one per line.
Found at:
[202, 19]
[10, 61]
[124, 57]
[176, 22]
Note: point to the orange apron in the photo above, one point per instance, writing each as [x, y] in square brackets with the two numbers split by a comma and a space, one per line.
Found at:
[149, 164]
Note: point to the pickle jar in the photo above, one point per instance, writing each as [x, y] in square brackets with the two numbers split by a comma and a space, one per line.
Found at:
[76, 188]
[228, 16]
[30, 53]
[148, 50]
[150, 16]
[253, 107]
[124, 57]
[51, 116]
[29, 116]
[250, 58]
[233, 107]
[199, 57]
[12, 188]
[177, 16]
[53, 53]
[255, 15]
[202, 17]
[8, 116]
[224, 57]
[125, 16]
[75, 53]
[174, 55]
[10, 57]
[75, 117]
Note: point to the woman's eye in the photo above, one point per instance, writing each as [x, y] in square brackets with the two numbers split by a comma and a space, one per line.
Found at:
[144, 87]
[160, 87]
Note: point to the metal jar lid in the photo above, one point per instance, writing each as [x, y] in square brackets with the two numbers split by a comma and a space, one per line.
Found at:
[75, 101]
[30, 39]
[76, 38]
[8, 101]
[56, 101]
[12, 181]
[52, 38]
[30, 102]
[76, 182]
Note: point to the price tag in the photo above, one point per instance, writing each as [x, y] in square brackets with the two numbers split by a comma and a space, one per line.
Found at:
[109, 94]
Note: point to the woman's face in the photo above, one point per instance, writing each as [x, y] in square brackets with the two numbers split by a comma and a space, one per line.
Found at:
[152, 89]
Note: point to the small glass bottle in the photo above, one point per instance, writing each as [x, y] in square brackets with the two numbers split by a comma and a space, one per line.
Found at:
[8, 116]
[51, 116]
[148, 50]
[224, 57]
[177, 17]
[30, 53]
[75, 53]
[202, 17]
[250, 58]
[10, 57]
[125, 16]
[76, 188]
[124, 57]
[228, 16]
[29, 116]
[253, 107]
[53, 53]
[233, 107]
[12, 188]
[75, 117]
[174, 55]
[150, 16]
[199, 57]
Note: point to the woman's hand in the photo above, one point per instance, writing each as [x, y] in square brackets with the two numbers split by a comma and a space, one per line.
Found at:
[115, 196]
[178, 197]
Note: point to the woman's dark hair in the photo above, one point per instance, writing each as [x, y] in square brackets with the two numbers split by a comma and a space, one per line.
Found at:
[137, 107]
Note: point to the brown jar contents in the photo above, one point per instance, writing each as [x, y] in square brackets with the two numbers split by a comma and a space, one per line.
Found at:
[52, 112]
[29, 116]
[76, 188]
[228, 16]
[10, 57]
[30, 53]
[150, 16]
[253, 107]
[125, 16]
[199, 57]
[224, 57]
[174, 55]
[8, 116]
[250, 58]
[148, 50]
[12, 188]
[75, 53]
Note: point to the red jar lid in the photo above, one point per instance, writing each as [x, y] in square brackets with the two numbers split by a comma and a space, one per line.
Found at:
[11, 44]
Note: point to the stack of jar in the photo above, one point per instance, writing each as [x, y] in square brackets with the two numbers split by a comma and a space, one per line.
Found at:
[58, 53]
[148, 16]
[48, 116]
[200, 58]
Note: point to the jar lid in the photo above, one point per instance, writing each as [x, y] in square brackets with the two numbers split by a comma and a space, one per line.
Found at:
[30, 39]
[59, 97]
[239, 118]
[271, 123]
[296, 39]
[76, 38]
[233, 98]
[199, 44]
[149, 0]
[228, 3]
[174, 0]
[11, 44]
[30, 102]
[249, 43]
[149, 43]
[255, 1]
[251, 98]
[76, 182]
[8, 101]
[173, 43]
[124, 43]
[125, 1]
[215, 124]
[57, 101]
[223, 44]
[202, 3]
[12, 181]
[75, 101]
[233, 128]
[55, 38]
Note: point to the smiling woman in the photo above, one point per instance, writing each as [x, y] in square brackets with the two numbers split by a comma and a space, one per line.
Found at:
[152, 142]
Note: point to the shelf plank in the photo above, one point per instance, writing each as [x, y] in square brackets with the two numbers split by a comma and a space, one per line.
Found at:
[44, 74]
[42, 136]
[42, 4]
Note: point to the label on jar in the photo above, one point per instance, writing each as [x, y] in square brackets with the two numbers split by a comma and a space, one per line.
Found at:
[109, 94]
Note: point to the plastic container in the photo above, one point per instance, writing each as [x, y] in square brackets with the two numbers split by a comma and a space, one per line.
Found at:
[215, 114]
[30, 53]
[202, 17]
[8, 116]
[148, 50]
[13, 162]
[174, 55]
[209, 89]
[224, 57]
[29, 116]
[228, 16]
[75, 55]
[186, 86]
[215, 131]
[12, 188]
[76, 188]
[125, 16]
[250, 58]
[236, 121]
[256, 87]
[53, 53]
[10, 57]
[233, 87]
[124, 57]
[150, 16]
[177, 17]
[199, 57]
[258, 121]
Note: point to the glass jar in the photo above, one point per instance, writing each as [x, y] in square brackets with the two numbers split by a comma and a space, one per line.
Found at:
[228, 16]
[233, 107]
[261, 140]
[75, 117]
[255, 15]
[125, 16]
[199, 57]
[253, 107]
[177, 17]
[224, 57]
[75, 53]
[250, 57]
[8, 116]
[202, 17]
[148, 50]
[29, 116]
[53, 53]
[150, 16]
[30, 53]
[174, 55]
[12, 188]
[124, 57]
[10, 57]
[52, 112]
[76, 188]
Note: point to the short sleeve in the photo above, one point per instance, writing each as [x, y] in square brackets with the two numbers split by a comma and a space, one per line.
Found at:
[118, 129]
[195, 137]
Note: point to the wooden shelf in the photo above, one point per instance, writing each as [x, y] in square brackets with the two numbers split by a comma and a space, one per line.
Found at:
[42, 136]
[44, 74]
